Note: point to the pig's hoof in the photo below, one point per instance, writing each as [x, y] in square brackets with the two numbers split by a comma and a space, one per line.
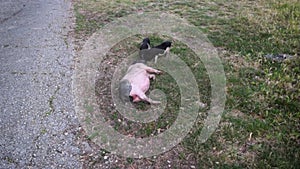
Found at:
[158, 72]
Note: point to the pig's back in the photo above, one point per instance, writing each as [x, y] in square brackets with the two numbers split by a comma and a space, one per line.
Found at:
[139, 78]
[141, 81]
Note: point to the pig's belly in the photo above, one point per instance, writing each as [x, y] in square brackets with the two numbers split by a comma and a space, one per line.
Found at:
[141, 81]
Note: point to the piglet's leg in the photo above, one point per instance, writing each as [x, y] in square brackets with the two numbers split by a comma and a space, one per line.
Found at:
[151, 70]
[167, 51]
[155, 59]
[152, 101]
[142, 96]
[152, 76]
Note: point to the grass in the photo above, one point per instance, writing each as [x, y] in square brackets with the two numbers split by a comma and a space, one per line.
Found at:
[260, 126]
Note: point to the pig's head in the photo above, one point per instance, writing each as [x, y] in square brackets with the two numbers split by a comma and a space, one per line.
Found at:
[164, 45]
[145, 44]
[124, 91]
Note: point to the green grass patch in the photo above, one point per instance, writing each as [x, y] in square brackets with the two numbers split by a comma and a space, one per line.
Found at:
[260, 127]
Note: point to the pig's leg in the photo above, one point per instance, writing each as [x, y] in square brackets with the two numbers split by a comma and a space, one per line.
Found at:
[143, 96]
[151, 70]
[158, 55]
[167, 52]
[150, 100]
[155, 58]
[152, 76]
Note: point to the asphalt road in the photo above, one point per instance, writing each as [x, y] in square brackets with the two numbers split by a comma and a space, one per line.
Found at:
[38, 123]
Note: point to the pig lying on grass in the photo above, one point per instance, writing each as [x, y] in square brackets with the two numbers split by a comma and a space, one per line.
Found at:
[136, 83]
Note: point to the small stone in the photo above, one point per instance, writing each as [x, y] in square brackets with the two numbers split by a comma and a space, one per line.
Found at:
[105, 157]
[86, 147]
[192, 166]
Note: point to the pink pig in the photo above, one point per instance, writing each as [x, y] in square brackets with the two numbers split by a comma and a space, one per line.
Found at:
[136, 83]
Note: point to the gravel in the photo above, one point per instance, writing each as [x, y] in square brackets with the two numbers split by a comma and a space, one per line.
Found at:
[38, 123]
